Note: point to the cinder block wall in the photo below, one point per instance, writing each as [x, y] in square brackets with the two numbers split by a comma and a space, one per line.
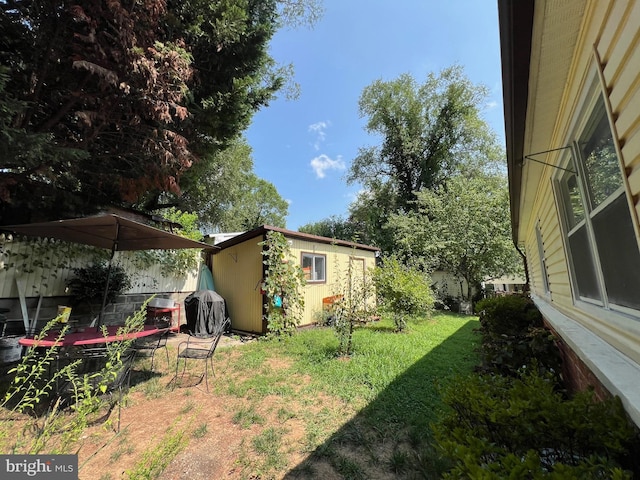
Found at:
[114, 314]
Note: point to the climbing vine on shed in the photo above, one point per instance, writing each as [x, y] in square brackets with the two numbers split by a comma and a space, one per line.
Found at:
[282, 286]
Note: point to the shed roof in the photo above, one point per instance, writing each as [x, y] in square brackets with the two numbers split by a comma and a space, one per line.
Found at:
[262, 230]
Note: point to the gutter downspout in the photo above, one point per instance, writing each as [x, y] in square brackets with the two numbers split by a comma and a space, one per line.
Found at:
[525, 265]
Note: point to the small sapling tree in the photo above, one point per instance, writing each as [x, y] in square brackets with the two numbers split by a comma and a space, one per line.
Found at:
[355, 301]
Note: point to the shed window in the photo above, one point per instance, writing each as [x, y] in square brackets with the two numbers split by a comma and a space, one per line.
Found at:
[602, 244]
[313, 267]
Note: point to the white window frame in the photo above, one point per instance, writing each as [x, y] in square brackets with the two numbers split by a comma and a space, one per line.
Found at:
[314, 273]
[571, 160]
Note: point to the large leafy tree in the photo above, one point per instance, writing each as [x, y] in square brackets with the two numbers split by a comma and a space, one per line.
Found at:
[101, 82]
[261, 204]
[462, 227]
[336, 227]
[435, 194]
[123, 97]
[429, 132]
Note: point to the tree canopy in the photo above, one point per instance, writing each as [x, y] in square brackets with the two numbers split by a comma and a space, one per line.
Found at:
[335, 226]
[428, 132]
[227, 196]
[111, 102]
[435, 192]
[462, 228]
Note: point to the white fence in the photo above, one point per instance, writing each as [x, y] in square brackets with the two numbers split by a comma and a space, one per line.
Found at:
[41, 274]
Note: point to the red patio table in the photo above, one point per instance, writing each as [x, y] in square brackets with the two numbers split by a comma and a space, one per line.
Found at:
[91, 336]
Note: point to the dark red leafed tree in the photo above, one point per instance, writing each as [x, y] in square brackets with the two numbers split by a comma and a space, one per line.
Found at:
[111, 101]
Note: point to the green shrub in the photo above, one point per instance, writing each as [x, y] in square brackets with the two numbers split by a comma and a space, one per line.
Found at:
[513, 336]
[505, 427]
[402, 291]
[89, 283]
[507, 315]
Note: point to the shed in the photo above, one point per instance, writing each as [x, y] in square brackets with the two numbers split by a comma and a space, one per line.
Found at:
[238, 272]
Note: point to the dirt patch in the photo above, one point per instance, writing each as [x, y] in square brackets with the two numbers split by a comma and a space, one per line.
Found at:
[217, 445]
[262, 434]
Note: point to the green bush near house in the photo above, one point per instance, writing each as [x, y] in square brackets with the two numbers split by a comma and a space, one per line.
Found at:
[506, 427]
[514, 419]
[507, 315]
[513, 336]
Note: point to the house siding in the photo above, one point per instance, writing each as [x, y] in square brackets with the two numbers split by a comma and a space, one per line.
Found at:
[613, 28]
[237, 275]
[337, 264]
[557, 54]
[610, 33]
[448, 285]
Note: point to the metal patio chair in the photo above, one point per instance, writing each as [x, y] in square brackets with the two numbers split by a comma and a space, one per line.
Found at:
[147, 346]
[200, 348]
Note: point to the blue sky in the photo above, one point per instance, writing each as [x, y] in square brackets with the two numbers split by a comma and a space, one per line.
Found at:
[305, 146]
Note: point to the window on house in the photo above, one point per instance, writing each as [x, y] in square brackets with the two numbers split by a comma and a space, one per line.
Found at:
[602, 245]
[313, 267]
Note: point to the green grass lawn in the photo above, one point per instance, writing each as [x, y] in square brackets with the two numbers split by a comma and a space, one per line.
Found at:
[301, 411]
[366, 416]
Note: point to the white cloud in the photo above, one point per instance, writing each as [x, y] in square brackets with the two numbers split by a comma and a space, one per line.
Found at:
[491, 105]
[323, 162]
[319, 130]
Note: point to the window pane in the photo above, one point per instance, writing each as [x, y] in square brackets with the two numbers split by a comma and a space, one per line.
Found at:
[313, 267]
[319, 263]
[573, 202]
[584, 269]
[619, 254]
[307, 266]
[600, 158]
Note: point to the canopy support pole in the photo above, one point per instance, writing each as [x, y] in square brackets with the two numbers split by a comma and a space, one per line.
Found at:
[114, 247]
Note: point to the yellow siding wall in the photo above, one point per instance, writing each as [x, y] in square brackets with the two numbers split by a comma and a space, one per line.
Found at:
[337, 263]
[613, 27]
[447, 284]
[237, 273]
[619, 50]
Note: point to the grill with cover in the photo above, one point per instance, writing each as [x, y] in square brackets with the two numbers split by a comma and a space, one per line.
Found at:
[205, 310]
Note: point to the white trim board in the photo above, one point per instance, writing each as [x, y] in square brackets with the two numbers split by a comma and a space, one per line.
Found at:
[618, 373]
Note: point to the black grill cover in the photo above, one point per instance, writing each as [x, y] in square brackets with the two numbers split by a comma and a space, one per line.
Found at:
[205, 310]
